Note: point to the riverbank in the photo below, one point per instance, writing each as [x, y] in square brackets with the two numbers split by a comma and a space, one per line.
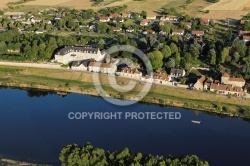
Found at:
[10, 162]
[82, 83]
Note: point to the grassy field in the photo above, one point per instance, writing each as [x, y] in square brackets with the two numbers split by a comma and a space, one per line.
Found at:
[79, 82]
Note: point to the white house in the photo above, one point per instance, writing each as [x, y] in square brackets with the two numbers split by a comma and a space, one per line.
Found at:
[99, 67]
[130, 72]
[157, 77]
[104, 19]
[71, 53]
[79, 65]
[176, 73]
[178, 32]
[151, 17]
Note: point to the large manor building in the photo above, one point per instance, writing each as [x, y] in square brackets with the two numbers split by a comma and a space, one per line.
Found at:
[78, 53]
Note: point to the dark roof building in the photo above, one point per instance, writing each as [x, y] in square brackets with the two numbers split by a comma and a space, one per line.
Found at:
[82, 49]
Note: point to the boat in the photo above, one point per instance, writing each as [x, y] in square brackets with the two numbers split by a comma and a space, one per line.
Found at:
[196, 122]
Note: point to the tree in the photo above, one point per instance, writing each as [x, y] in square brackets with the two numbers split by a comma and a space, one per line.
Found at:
[236, 56]
[156, 58]
[213, 56]
[175, 38]
[166, 51]
[188, 57]
[224, 54]
[174, 48]
[144, 14]
[165, 28]
[3, 48]
[170, 63]
[177, 58]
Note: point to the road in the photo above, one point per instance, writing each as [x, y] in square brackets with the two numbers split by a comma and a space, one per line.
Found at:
[35, 65]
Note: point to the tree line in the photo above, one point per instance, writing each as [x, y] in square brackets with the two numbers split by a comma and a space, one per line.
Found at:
[88, 155]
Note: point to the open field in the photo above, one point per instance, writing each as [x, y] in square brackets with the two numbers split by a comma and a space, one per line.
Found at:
[234, 9]
[228, 9]
[68, 3]
[3, 3]
[137, 6]
[229, 5]
[220, 14]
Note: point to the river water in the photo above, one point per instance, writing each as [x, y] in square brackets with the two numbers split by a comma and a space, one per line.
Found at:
[35, 126]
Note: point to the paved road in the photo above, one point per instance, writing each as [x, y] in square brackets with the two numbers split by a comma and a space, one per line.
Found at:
[36, 65]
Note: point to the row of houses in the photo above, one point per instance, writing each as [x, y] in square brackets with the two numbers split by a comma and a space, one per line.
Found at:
[226, 86]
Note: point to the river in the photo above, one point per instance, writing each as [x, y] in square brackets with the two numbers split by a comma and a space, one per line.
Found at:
[34, 127]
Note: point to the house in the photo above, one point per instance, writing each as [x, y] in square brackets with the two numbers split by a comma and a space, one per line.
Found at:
[116, 29]
[187, 24]
[171, 18]
[246, 38]
[151, 17]
[226, 79]
[118, 19]
[63, 14]
[144, 22]
[242, 22]
[47, 22]
[149, 31]
[78, 53]
[40, 31]
[34, 20]
[114, 15]
[99, 67]
[199, 85]
[15, 17]
[129, 30]
[80, 65]
[226, 89]
[131, 72]
[205, 21]
[244, 33]
[176, 73]
[161, 23]
[157, 77]
[197, 33]
[104, 19]
[126, 15]
[178, 32]
[2, 29]
[14, 13]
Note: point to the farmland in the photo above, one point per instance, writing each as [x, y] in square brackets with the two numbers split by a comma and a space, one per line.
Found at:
[234, 9]
[228, 9]
[3, 3]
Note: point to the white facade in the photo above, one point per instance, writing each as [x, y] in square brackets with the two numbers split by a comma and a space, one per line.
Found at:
[69, 54]
[106, 68]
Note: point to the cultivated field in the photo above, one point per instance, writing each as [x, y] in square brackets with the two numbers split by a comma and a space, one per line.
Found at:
[3, 3]
[137, 6]
[229, 5]
[228, 9]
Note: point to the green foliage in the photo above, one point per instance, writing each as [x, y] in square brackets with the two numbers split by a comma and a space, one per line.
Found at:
[174, 48]
[156, 58]
[224, 54]
[73, 155]
[170, 63]
[213, 1]
[166, 51]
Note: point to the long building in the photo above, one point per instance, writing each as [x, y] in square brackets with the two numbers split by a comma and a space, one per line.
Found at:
[79, 53]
